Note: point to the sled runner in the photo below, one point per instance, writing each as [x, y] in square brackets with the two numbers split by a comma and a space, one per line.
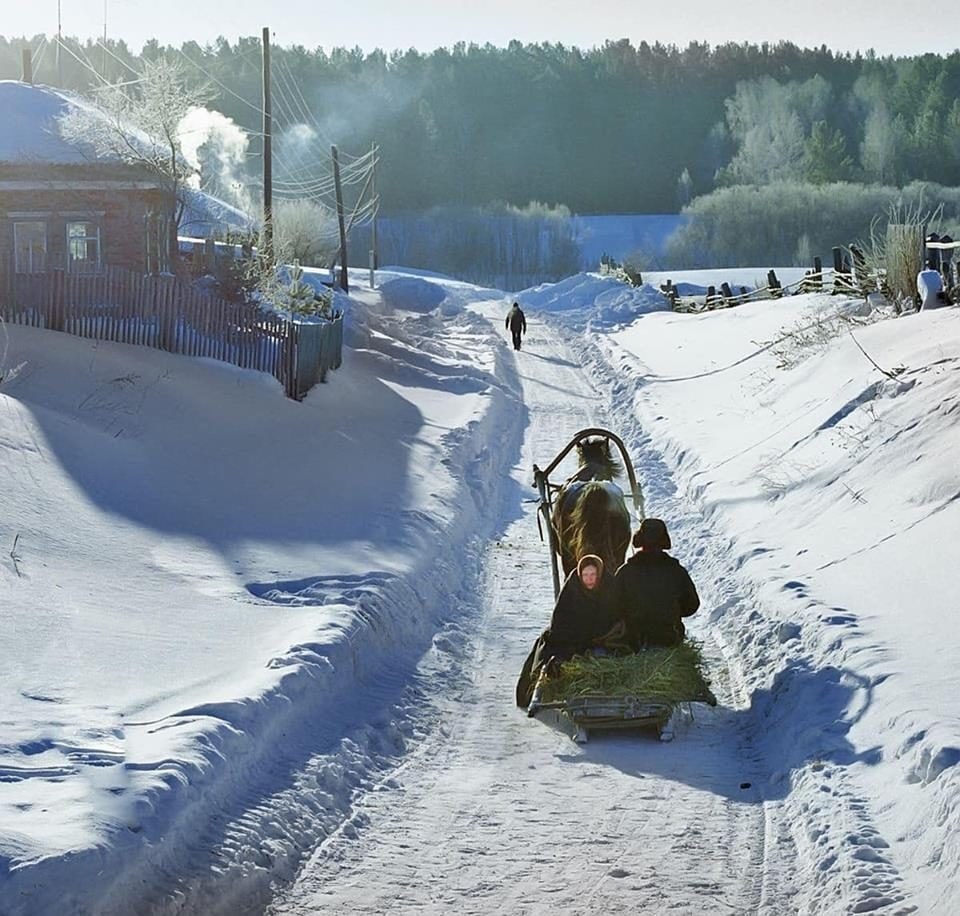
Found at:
[660, 706]
[600, 713]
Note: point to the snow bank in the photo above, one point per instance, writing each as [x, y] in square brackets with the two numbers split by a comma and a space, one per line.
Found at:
[829, 487]
[607, 300]
[205, 575]
[413, 294]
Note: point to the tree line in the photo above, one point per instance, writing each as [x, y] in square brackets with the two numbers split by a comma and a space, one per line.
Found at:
[618, 128]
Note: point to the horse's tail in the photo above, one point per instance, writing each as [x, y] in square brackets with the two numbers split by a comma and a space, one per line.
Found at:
[594, 528]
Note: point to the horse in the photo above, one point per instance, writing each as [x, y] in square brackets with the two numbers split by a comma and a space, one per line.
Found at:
[590, 515]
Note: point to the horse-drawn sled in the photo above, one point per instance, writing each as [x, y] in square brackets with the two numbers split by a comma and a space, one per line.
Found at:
[587, 515]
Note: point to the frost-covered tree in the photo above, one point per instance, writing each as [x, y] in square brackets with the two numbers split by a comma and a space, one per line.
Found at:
[772, 150]
[684, 189]
[882, 141]
[138, 123]
[305, 232]
[769, 123]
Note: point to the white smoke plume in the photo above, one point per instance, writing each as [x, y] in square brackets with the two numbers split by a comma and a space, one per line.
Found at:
[217, 148]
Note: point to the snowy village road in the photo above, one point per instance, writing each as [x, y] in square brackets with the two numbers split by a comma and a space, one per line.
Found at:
[494, 812]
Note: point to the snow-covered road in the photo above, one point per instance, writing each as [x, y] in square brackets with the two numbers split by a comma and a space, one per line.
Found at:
[494, 812]
[314, 709]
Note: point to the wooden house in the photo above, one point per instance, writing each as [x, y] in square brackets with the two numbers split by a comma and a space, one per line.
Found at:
[61, 206]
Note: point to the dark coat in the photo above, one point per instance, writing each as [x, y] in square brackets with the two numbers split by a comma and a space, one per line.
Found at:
[581, 618]
[516, 320]
[655, 592]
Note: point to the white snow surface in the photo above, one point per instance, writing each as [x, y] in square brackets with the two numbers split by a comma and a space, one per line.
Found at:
[603, 300]
[30, 118]
[261, 654]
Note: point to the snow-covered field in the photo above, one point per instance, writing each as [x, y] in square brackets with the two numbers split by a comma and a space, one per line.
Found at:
[261, 654]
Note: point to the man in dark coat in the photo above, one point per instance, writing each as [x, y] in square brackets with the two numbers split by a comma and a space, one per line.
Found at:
[585, 617]
[654, 590]
[517, 322]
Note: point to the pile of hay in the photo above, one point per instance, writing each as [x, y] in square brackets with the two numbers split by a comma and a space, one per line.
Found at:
[670, 675]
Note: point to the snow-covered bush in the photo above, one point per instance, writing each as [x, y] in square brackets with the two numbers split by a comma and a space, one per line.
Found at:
[746, 225]
[305, 232]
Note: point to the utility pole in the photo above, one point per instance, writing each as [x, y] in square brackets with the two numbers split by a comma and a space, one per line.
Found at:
[266, 236]
[27, 65]
[343, 229]
[59, 43]
[376, 207]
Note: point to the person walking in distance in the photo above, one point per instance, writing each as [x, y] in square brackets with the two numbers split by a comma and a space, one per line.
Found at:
[517, 322]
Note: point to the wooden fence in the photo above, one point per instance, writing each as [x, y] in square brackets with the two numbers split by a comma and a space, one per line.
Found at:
[162, 312]
[850, 276]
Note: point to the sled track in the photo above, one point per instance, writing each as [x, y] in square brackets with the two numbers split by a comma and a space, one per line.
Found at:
[497, 812]
[346, 737]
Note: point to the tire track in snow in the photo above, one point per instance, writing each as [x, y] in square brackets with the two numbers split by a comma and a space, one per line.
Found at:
[499, 813]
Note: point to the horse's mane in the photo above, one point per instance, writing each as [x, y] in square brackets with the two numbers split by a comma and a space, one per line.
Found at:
[595, 454]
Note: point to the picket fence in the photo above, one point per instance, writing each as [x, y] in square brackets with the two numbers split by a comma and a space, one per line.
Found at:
[162, 312]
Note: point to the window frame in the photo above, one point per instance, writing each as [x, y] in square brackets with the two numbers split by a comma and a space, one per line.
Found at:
[19, 268]
[83, 265]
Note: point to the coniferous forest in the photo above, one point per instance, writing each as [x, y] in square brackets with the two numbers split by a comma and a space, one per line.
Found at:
[615, 129]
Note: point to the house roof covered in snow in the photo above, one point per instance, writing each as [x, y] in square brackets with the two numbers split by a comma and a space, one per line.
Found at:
[31, 137]
[30, 133]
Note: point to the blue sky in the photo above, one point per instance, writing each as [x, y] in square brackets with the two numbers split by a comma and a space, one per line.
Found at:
[427, 24]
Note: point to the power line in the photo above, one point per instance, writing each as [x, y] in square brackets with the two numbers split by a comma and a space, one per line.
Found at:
[120, 60]
[37, 54]
[258, 109]
[83, 63]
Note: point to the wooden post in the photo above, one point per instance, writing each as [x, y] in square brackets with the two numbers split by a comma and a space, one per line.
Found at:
[27, 66]
[56, 316]
[375, 260]
[860, 271]
[776, 291]
[210, 256]
[817, 274]
[343, 229]
[946, 261]
[930, 255]
[266, 235]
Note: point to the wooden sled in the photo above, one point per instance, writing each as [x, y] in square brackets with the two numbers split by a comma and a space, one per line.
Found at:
[580, 715]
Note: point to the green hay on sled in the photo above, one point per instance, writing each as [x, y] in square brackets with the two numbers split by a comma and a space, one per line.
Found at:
[669, 675]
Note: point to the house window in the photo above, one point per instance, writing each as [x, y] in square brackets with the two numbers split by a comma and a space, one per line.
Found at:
[83, 245]
[29, 246]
